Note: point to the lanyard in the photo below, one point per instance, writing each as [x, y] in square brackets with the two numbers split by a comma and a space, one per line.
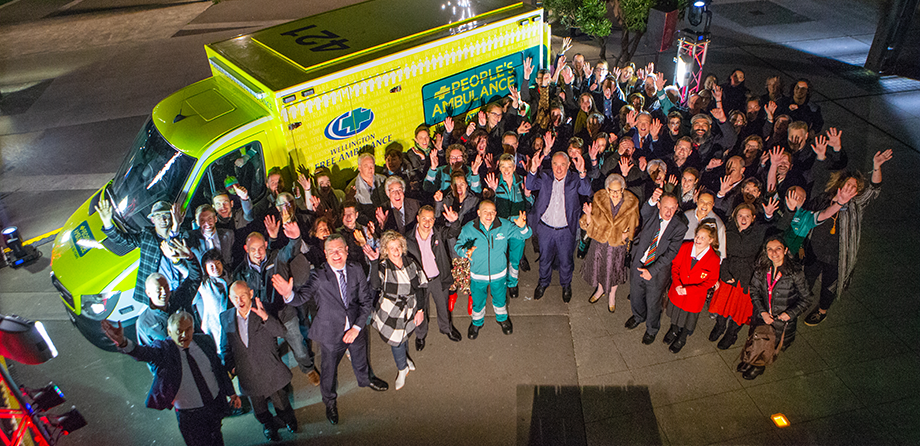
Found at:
[770, 284]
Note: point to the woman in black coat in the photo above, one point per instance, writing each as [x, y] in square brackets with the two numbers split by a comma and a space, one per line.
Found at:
[731, 302]
[779, 295]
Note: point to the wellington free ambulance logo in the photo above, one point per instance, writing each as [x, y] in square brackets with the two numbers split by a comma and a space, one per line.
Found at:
[349, 124]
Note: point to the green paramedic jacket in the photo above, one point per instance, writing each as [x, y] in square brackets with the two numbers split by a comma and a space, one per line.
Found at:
[490, 259]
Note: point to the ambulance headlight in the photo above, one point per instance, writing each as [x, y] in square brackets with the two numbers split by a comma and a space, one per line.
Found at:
[99, 306]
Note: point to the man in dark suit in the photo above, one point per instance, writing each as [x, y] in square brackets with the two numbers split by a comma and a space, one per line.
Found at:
[344, 301]
[250, 352]
[663, 230]
[428, 245]
[557, 210]
[209, 236]
[401, 211]
[199, 396]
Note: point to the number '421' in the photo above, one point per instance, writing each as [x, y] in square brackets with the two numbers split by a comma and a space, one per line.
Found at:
[321, 40]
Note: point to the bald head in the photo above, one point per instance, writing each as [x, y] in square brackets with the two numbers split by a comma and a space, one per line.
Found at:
[241, 296]
[156, 287]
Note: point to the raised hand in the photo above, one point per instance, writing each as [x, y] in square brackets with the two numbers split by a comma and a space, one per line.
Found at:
[272, 226]
[438, 196]
[315, 202]
[794, 199]
[515, 94]
[292, 230]
[770, 207]
[477, 163]
[594, 150]
[771, 109]
[568, 76]
[492, 181]
[845, 193]
[566, 45]
[259, 310]
[719, 114]
[625, 165]
[660, 81]
[105, 210]
[304, 182]
[536, 161]
[833, 138]
[523, 128]
[881, 158]
[643, 163]
[672, 180]
[241, 192]
[656, 195]
[725, 186]
[586, 209]
[488, 159]
[371, 253]
[820, 147]
[115, 334]
[180, 249]
[631, 118]
[449, 124]
[650, 68]
[381, 215]
[433, 156]
[438, 141]
[528, 67]
[776, 155]
[548, 140]
[615, 72]
[470, 128]
[174, 213]
[481, 118]
[586, 68]
[167, 250]
[521, 221]
[283, 287]
[717, 93]
[579, 162]
[449, 214]
[655, 129]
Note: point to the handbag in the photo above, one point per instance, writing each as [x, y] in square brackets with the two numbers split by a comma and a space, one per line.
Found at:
[761, 348]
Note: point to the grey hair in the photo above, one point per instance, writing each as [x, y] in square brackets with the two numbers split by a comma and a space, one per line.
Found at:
[177, 317]
[393, 179]
[614, 178]
[362, 156]
[562, 154]
[656, 162]
[701, 117]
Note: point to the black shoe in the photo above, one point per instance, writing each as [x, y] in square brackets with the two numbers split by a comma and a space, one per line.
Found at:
[513, 292]
[506, 326]
[567, 293]
[525, 265]
[678, 344]
[815, 318]
[454, 334]
[743, 367]
[670, 337]
[332, 414]
[473, 331]
[378, 384]
[271, 433]
[753, 372]
[632, 322]
[538, 292]
[419, 344]
[727, 341]
[717, 331]
[293, 428]
[647, 339]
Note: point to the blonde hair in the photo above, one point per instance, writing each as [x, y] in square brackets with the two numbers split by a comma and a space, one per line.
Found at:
[390, 236]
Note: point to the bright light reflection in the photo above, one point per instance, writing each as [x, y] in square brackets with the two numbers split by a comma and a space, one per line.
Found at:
[44, 334]
[163, 171]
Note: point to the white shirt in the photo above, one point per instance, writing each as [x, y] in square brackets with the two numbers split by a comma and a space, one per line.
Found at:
[663, 227]
[242, 326]
[188, 396]
[337, 272]
[700, 255]
[555, 212]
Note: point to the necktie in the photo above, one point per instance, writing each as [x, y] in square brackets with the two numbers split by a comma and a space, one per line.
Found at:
[399, 219]
[653, 247]
[342, 287]
[202, 385]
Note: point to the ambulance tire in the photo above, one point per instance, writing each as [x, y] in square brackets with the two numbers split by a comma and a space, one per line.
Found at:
[92, 331]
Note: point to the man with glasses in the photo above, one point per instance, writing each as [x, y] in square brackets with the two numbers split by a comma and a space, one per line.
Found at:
[400, 210]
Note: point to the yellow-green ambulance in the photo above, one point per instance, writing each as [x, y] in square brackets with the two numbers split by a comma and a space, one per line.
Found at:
[310, 92]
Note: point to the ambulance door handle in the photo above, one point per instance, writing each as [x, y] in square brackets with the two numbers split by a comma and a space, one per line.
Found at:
[396, 89]
[294, 125]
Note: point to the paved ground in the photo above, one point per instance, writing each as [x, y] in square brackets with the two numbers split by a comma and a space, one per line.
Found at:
[79, 77]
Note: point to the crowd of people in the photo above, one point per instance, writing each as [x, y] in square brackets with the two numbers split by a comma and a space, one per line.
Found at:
[731, 200]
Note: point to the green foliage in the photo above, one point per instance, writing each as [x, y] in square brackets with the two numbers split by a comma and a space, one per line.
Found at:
[634, 13]
[590, 16]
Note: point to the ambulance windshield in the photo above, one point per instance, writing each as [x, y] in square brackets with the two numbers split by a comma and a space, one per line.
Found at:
[153, 170]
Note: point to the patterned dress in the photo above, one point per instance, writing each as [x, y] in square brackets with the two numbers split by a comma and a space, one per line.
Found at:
[400, 298]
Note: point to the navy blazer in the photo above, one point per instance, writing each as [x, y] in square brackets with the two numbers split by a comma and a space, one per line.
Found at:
[165, 358]
[574, 186]
[668, 243]
[323, 288]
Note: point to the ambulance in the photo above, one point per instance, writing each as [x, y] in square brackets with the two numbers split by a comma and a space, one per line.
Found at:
[310, 93]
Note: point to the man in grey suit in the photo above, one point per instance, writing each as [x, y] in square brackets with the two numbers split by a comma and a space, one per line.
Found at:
[249, 350]
[401, 211]
[662, 233]
[344, 301]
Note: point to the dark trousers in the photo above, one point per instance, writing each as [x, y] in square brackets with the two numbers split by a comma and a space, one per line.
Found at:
[829, 275]
[439, 293]
[556, 245]
[331, 356]
[201, 426]
[645, 298]
[280, 399]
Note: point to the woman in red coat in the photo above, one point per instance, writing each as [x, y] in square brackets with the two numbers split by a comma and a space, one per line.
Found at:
[694, 271]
